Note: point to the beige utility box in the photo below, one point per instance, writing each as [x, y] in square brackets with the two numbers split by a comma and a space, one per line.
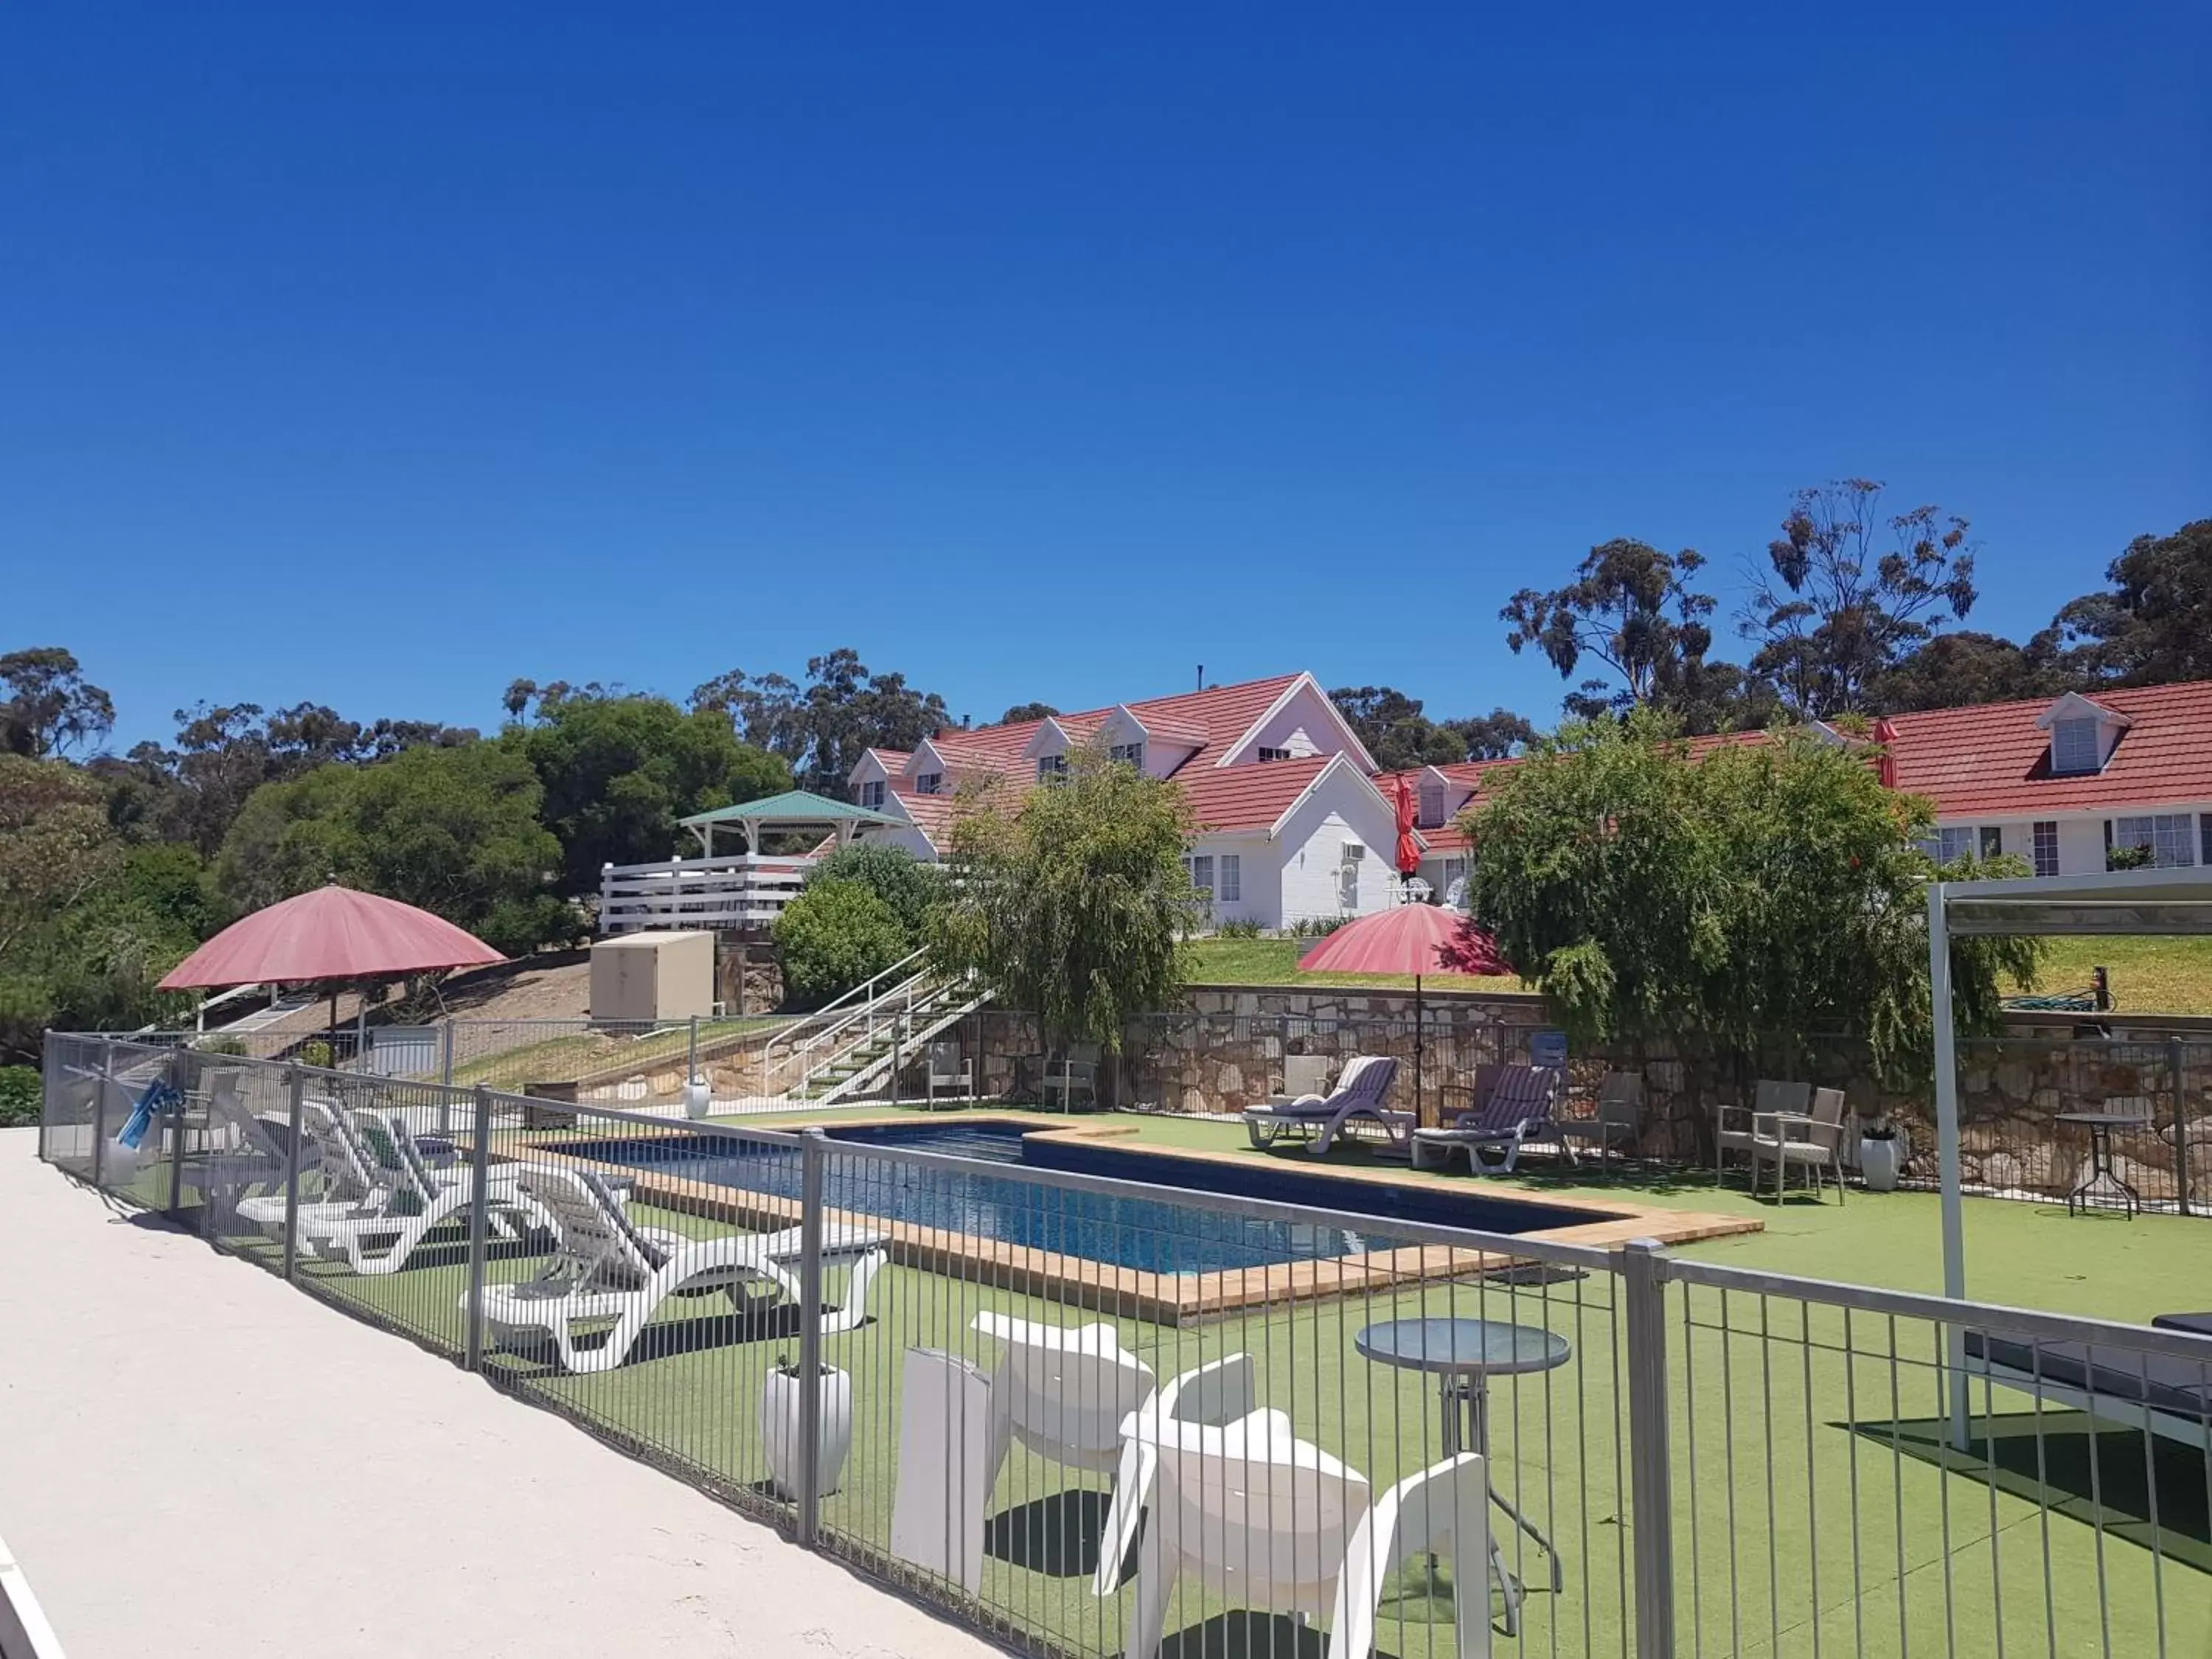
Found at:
[657, 976]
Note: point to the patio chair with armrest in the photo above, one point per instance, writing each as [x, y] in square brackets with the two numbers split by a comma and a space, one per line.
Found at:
[1812, 1141]
[1734, 1127]
[1618, 1115]
[1076, 1078]
[946, 1070]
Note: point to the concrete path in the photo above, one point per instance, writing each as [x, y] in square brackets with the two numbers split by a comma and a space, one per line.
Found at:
[196, 1460]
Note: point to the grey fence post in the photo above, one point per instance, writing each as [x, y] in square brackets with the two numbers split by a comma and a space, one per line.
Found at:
[814, 1145]
[445, 1077]
[2176, 1059]
[691, 1056]
[898, 1058]
[1650, 1464]
[479, 1227]
[100, 1108]
[172, 1072]
[295, 1087]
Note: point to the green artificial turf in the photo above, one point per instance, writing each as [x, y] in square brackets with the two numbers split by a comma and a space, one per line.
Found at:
[1815, 1507]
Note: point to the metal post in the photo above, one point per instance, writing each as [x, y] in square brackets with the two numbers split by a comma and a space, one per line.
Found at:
[1651, 1458]
[691, 1055]
[175, 1112]
[479, 1227]
[2175, 1061]
[446, 1078]
[1949, 1175]
[814, 1146]
[898, 1033]
[296, 1087]
[100, 1108]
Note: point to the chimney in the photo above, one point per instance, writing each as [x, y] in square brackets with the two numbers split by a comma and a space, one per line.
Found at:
[1201, 676]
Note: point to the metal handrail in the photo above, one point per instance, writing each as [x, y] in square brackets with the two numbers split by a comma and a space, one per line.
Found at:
[803, 1036]
[936, 1016]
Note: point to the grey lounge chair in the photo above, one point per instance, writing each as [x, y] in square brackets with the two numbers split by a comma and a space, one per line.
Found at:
[1618, 1116]
[1811, 1142]
[2161, 1393]
[1360, 1094]
[1518, 1109]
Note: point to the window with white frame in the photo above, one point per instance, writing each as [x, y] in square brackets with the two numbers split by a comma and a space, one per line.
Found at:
[1949, 846]
[2074, 746]
[929, 783]
[2171, 836]
[872, 794]
[2045, 838]
[1992, 841]
[1431, 808]
[1231, 890]
[1132, 752]
[1051, 768]
[1454, 881]
[1274, 754]
[1200, 866]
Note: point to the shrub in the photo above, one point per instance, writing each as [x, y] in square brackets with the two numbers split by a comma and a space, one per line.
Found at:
[911, 888]
[831, 937]
[1318, 927]
[2129, 858]
[19, 1096]
[223, 1045]
[1239, 928]
[315, 1053]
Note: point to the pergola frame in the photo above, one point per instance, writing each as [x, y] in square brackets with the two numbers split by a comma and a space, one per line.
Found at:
[2110, 902]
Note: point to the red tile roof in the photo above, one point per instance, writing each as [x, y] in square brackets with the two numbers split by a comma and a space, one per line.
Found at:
[1209, 720]
[1993, 761]
[1231, 798]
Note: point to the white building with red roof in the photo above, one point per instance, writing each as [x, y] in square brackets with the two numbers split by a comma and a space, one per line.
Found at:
[2055, 781]
[1292, 822]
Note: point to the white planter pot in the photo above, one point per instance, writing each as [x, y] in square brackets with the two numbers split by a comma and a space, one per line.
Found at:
[1880, 1161]
[698, 1097]
[778, 1422]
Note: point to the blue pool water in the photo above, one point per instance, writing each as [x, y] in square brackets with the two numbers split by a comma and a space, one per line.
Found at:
[1154, 1234]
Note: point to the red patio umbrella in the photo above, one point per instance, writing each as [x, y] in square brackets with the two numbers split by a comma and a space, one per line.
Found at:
[1409, 846]
[1420, 939]
[1884, 767]
[330, 934]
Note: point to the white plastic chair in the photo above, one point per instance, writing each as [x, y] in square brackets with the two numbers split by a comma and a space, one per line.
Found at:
[1443, 1511]
[1259, 1517]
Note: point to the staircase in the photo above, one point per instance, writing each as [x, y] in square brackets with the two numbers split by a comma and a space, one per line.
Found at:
[891, 1028]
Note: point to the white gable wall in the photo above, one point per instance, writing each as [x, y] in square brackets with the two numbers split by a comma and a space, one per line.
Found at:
[1308, 723]
[1260, 877]
[1311, 847]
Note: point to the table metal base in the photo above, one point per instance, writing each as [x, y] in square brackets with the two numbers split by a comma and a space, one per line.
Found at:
[1467, 1428]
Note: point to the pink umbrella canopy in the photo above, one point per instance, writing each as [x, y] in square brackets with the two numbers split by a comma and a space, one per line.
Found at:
[331, 933]
[1407, 939]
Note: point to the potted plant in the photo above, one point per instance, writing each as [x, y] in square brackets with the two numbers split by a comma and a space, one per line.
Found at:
[698, 1096]
[1882, 1153]
[779, 1423]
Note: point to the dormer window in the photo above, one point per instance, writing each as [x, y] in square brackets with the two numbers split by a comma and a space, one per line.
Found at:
[1051, 768]
[1431, 808]
[929, 783]
[871, 794]
[2074, 746]
[1274, 754]
[1132, 752]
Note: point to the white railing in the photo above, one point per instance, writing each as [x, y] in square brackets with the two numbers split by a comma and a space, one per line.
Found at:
[836, 1025]
[742, 891]
[913, 1016]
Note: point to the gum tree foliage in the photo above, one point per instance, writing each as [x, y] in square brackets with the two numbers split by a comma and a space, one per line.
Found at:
[822, 728]
[1401, 736]
[1072, 901]
[88, 923]
[2154, 626]
[620, 770]
[834, 935]
[50, 708]
[1028, 711]
[1735, 905]
[453, 830]
[1848, 593]
[910, 888]
[1632, 609]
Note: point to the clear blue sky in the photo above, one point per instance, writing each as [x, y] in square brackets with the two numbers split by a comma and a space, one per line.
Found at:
[380, 354]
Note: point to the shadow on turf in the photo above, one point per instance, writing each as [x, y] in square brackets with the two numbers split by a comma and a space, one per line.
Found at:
[2083, 1469]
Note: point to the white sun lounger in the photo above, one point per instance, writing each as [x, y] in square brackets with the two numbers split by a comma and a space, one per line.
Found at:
[610, 1272]
[1359, 1092]
[409, 1201]
[334, 1154]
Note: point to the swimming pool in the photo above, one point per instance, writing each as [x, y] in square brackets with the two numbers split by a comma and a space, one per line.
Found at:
[1151, 1235]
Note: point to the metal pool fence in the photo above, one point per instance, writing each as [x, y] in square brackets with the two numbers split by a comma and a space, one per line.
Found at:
[1089, 1416]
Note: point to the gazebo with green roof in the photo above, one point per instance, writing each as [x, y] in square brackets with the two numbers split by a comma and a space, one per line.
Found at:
[797, 812]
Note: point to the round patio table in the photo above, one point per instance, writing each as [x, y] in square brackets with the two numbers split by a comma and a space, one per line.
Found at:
[2100, 1125]
[1464, 1354]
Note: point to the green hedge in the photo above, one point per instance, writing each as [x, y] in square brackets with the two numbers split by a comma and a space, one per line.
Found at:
[19, 1096]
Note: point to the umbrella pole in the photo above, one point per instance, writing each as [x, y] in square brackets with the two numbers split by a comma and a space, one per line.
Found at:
[1418, 1101]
